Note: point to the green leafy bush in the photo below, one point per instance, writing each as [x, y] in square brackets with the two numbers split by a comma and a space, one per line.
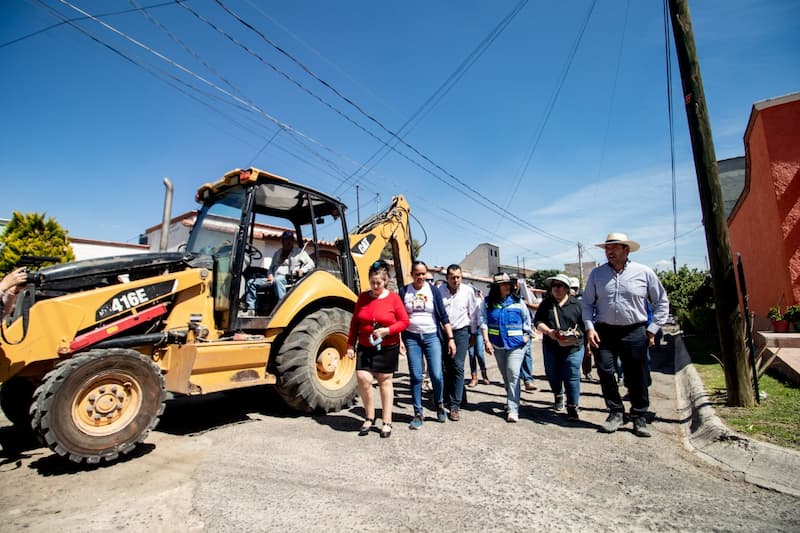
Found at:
[792, 313]
[774, 313]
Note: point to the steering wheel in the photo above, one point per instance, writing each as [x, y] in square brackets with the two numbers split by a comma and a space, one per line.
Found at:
[253, 253]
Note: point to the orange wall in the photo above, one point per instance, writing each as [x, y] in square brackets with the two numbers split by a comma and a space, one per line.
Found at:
[765, 228]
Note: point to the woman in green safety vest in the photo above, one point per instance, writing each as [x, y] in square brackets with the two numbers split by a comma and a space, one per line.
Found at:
[506, 328]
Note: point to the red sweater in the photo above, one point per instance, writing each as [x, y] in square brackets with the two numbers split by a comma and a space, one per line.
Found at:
[387, 312]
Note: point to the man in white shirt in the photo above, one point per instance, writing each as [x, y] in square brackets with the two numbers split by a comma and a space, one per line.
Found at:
[615, 302]
[464, 313]
[288, 261]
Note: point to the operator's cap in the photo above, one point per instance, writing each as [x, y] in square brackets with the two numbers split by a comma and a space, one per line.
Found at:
[288, 234]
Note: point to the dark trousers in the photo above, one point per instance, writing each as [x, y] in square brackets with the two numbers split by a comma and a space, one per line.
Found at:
[629, 343]
[454, 368]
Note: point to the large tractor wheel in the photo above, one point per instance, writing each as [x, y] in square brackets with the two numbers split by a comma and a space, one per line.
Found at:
[16, 396]
[99, 404]
[314, 374]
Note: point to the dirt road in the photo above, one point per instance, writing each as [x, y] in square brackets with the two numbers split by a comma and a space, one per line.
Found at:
[241, 462]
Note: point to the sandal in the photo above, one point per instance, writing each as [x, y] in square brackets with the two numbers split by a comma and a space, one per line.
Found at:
[386, 430]
[366, 427]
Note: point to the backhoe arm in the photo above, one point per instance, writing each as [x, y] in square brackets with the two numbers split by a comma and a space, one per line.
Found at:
[369, 239]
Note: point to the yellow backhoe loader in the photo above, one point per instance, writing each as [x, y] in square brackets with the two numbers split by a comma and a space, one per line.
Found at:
[92, 347]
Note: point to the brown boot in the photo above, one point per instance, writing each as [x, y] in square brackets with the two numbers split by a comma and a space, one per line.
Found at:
[485, 379]
[474, 380]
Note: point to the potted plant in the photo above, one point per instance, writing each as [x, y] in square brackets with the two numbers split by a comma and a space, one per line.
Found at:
[792, 315]
[779, 323]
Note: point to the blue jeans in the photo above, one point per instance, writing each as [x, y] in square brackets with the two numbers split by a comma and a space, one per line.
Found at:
[564, 372]
[454, 368]
[278, 283]
[428, 345]
[476, 357]
[526, 371]
[509, 363]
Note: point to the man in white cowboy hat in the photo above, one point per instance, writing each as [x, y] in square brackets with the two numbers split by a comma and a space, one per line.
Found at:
[615, 314]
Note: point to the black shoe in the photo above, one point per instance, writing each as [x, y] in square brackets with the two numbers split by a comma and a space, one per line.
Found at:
[558, 404]
[386, 430]
[366, 427]
[640, 427]
[612, 423]
[572, 413]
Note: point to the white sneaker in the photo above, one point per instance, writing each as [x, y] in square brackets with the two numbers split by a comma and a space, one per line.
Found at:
[512, 418]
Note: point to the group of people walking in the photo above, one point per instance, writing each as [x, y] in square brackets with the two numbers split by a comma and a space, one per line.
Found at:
[439, 326]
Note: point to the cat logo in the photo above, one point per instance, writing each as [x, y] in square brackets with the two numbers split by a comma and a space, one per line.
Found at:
[362, 246]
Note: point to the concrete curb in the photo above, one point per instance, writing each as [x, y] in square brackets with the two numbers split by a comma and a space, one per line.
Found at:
[759, 463]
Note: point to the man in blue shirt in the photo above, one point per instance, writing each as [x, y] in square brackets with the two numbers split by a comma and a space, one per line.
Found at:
[615, 314]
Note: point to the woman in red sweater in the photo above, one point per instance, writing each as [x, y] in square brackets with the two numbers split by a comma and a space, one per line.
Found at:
[378, 319]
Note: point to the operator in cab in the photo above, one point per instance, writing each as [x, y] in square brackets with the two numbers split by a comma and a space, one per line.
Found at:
[289, 261]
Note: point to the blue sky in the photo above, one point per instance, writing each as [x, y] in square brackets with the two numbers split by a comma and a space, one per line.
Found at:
[88, 136]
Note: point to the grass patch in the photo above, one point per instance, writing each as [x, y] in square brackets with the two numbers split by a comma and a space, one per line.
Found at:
[775, 420]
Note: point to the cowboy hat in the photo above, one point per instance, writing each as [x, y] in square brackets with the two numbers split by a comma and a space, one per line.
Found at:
[619, 238]
[561, 278]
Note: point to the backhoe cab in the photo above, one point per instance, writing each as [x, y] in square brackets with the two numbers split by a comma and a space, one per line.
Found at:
[93, 346]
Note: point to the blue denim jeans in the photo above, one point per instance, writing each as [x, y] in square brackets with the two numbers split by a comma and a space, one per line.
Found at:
[454, 369]
[278, 283]
[564, 372]
[429, 346]
[476, 357]
[509, 363]
[526, 371]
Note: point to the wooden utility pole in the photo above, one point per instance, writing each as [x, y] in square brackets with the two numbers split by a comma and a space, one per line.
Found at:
[729, 317]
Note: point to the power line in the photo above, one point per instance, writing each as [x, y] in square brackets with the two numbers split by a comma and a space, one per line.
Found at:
[67, 21]
[186, 47]
[553, 99]
[460, 182]
[667, 40]
[447, 85]
[248, 104]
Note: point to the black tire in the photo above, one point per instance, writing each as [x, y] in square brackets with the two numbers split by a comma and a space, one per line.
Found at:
[314, 373]
[16, 397]
[99, 404]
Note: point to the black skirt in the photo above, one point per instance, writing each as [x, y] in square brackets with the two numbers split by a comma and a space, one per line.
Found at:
[383, 361]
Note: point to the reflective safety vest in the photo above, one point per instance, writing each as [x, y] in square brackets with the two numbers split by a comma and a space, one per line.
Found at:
[504, 323]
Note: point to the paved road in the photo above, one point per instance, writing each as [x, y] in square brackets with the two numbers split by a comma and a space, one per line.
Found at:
[241, 462]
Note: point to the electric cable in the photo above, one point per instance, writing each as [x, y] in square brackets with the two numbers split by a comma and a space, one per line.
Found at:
[552, 102]
[101, 15]
[671, 137]
[248, 104]
[446, 86]
[150, 17]
[457, 180]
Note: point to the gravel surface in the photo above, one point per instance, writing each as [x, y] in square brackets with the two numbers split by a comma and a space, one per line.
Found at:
[241, 462]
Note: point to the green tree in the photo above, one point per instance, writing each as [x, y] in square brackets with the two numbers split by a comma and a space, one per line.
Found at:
[31, 234]
[690, 297]
[539, 276]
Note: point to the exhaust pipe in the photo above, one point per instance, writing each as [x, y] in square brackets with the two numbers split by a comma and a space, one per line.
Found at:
[165, 218]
